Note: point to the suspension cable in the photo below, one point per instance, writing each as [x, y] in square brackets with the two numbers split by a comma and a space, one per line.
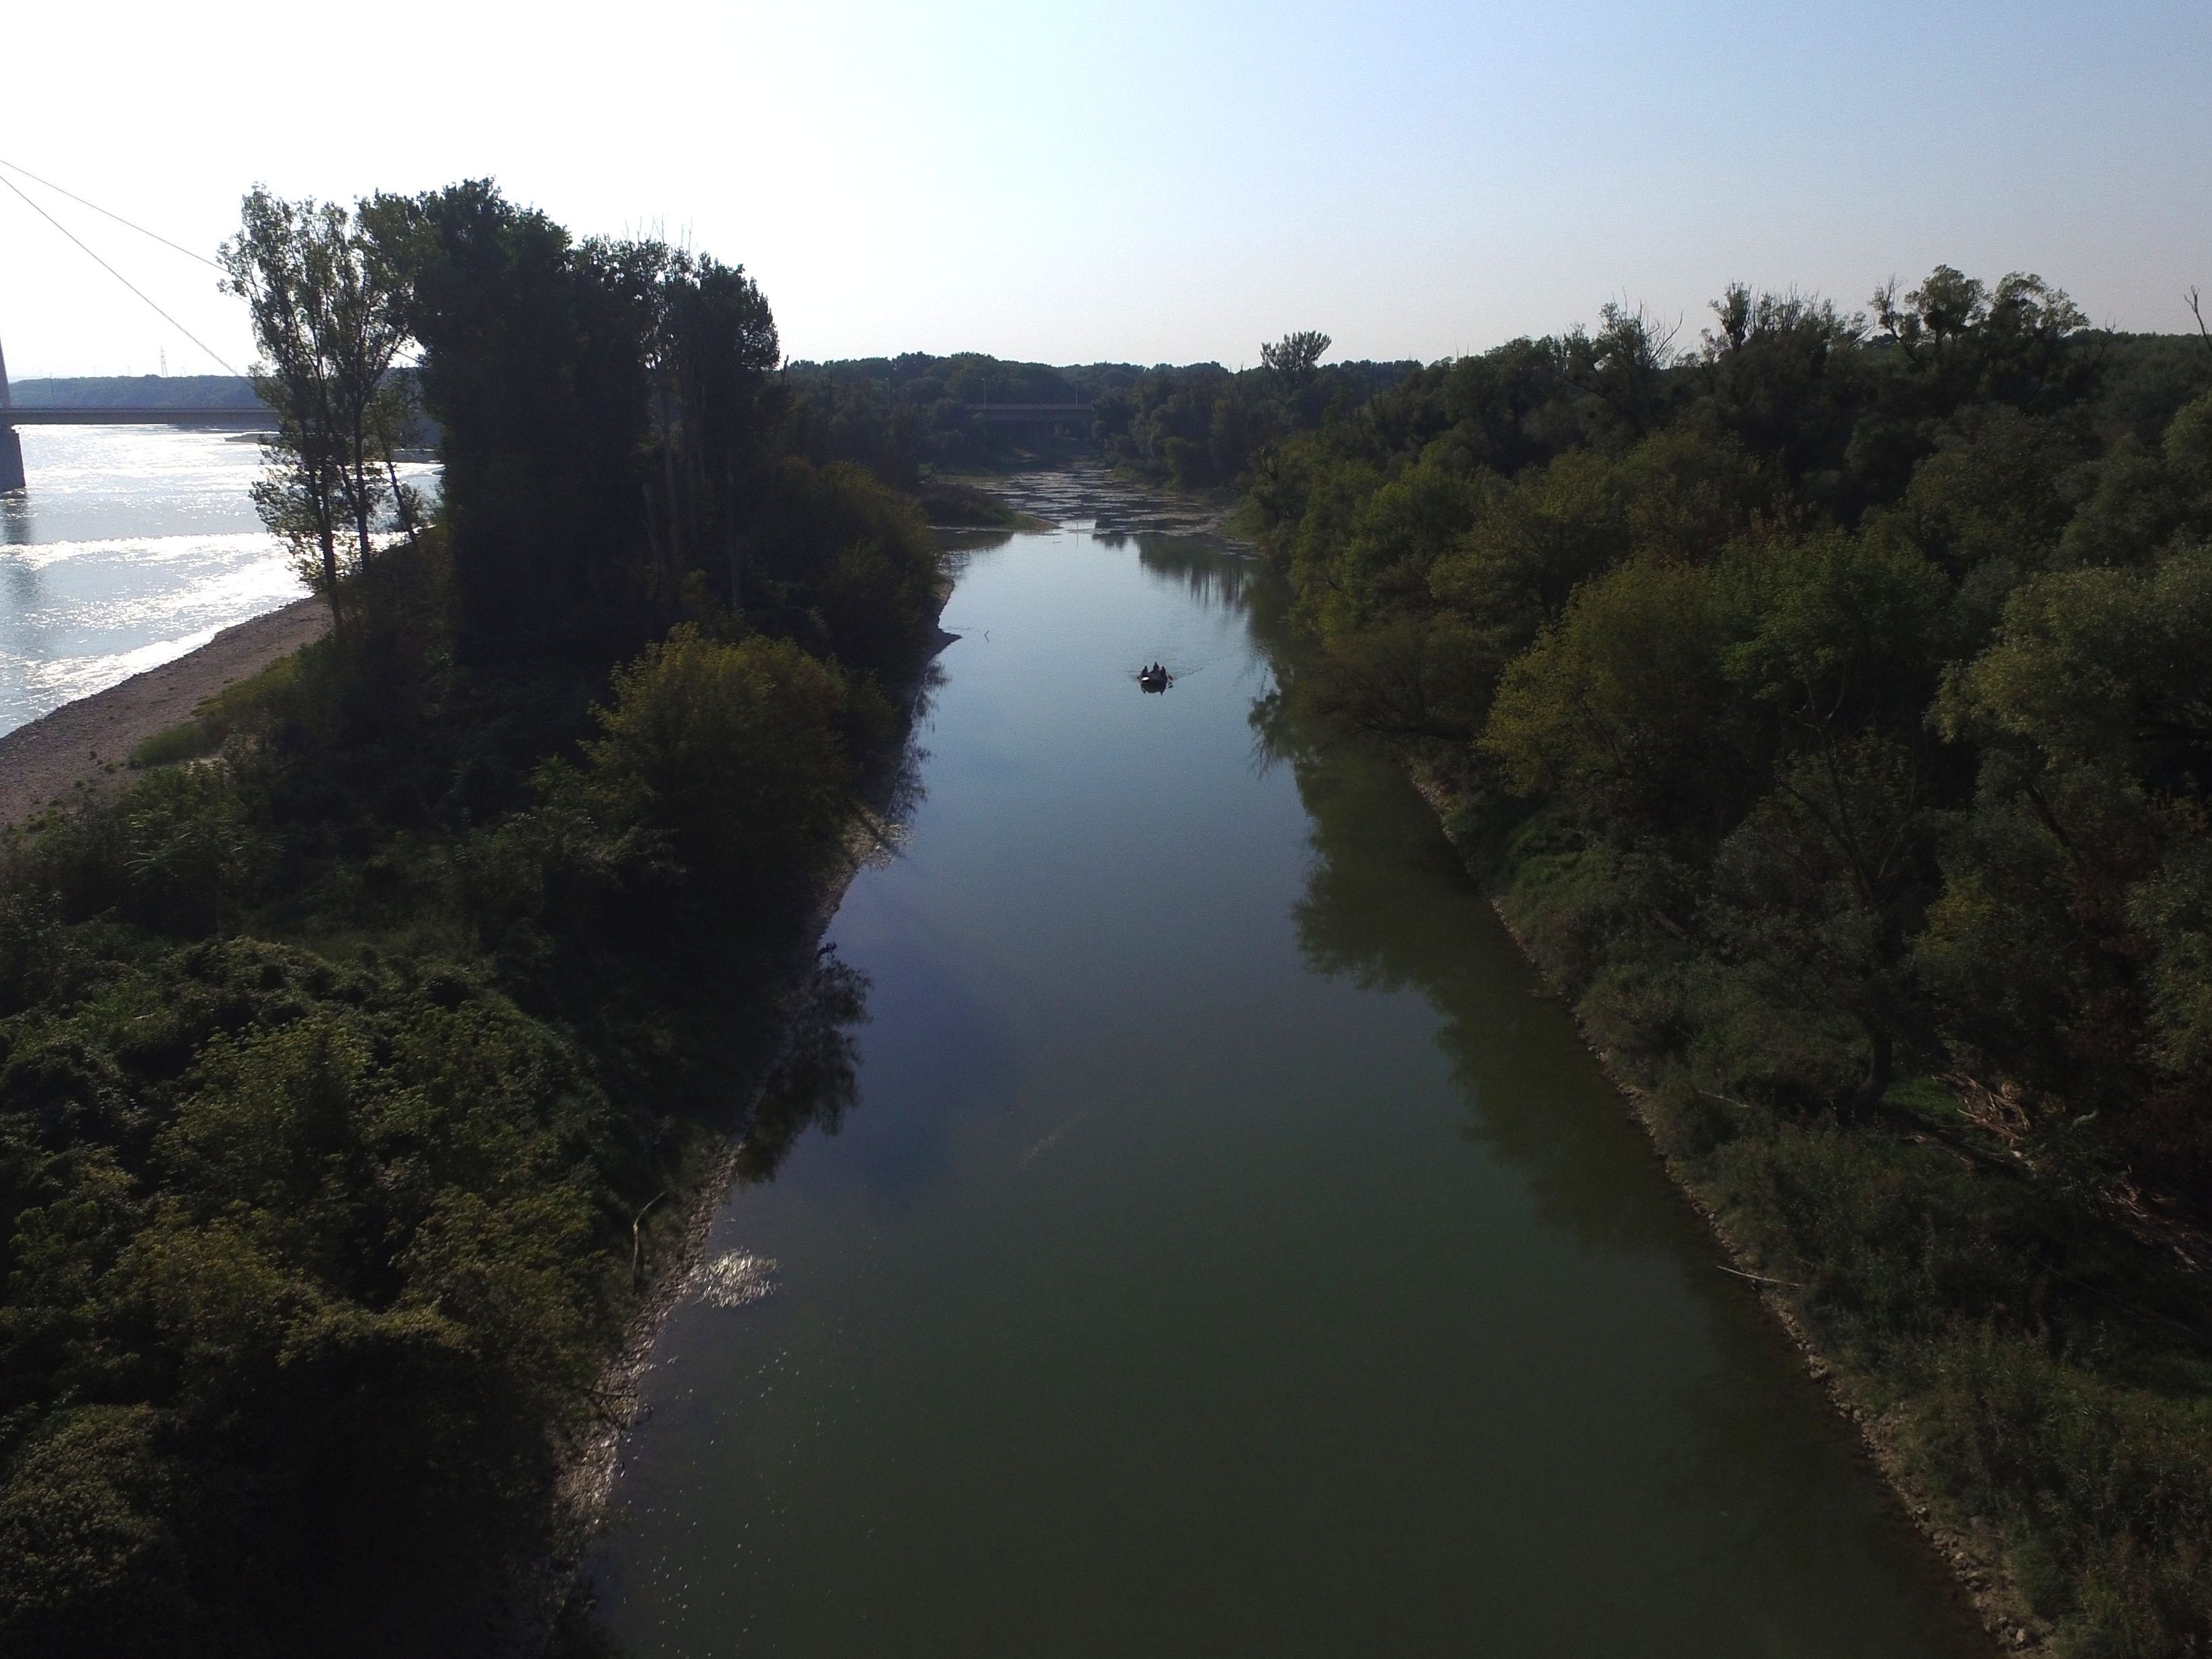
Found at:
[118, 217]
[119, 276]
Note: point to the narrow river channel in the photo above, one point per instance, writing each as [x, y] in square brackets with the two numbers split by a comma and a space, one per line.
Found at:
[1222, 1252]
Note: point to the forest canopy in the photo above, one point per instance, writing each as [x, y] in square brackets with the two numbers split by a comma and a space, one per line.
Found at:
[1826, 707]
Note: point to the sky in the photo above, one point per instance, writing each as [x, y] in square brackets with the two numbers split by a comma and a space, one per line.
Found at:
[1134, 181]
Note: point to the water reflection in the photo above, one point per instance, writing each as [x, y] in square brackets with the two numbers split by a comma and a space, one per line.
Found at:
[816, 1079]
[18, 523]
[1743, 1443]
[1214, 578]
[1389, 907]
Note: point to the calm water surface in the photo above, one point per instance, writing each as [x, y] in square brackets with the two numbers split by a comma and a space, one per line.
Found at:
[132, 546]
[1224, 1253]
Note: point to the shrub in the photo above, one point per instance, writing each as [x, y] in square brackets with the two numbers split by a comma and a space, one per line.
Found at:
[736, 751]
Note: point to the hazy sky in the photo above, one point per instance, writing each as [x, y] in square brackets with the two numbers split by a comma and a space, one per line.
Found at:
[1138, 181]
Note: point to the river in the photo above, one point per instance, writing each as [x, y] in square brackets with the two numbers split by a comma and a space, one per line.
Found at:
[1220, 1250]
[132, 546]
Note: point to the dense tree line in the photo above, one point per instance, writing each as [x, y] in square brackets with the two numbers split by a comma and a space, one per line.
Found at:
[1195, 426]
[1828, 706]
[907, 416]
[341, 1068]
[1200, 427]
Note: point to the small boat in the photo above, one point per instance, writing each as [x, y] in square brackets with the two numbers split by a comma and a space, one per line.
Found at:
[1155, 682]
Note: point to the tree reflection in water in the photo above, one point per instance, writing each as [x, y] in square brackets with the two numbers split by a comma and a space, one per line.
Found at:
[1214, 577]
[816, 1079]
[1389, 906]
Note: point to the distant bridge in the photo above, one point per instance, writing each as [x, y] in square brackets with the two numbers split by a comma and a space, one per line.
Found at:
[130, 414]
[1031, 412]
[14, 415]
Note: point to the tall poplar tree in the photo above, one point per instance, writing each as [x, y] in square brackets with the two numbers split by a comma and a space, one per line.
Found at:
[329, 323]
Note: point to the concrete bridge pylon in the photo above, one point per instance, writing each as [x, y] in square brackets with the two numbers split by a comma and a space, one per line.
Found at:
[11, 447]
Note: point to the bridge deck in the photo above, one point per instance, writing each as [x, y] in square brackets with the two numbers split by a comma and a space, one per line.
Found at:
[67, 415]
[1028, 411]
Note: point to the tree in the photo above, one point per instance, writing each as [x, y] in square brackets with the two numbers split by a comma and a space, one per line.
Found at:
[534, 368]
[2068, 946]
[1621, 709]
[1973, 343]
[1817, 893]
[1623, 366]
[735, 751]
[709, 355]
[1780, 377]
[1295, 359]
[1941, 309]
[328, 311]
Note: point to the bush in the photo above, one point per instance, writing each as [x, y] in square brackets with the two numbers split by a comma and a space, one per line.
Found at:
[737, 752]
[231, 710]
[861, 556]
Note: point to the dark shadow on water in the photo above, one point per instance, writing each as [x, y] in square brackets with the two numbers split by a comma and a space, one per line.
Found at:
[19, 525]
[1216, 578]
[816, 1080]
[1389, 907]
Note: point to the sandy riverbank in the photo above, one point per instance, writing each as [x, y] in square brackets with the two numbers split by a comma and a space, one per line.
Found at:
[86, 743]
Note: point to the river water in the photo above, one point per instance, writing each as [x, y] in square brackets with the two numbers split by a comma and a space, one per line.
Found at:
[1222, 1250]
[132, 546]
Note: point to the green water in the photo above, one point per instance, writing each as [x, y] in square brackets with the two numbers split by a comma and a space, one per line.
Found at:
[1223, 1252]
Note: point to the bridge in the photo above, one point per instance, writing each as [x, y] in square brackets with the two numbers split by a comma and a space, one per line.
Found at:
[1034, 412]
[12, 481]
[14, 415]
[19, 415]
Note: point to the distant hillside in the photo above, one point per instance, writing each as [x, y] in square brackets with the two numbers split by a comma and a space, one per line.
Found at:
[139, 392]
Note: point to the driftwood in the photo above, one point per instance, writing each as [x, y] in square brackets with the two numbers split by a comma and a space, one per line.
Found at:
[637, 1238]
[1759, 1278]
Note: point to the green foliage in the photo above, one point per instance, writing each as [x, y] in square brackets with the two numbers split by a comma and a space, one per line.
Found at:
[735, 753]
[336, 1066]
[858, 556]
[962, 506]
[900, 416]
[1833, 707]
[213, 721]
[1202, 427]
[188, 741]
[94, 1562]
[1616, 708]
[328, 314]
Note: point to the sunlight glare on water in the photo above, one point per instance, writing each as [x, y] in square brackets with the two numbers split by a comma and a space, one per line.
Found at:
[131, 546]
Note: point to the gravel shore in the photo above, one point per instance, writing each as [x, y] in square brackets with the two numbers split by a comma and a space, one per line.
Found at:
[86, 743]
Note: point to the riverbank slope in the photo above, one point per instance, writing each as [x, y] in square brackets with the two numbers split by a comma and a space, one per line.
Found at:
[81, 748]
